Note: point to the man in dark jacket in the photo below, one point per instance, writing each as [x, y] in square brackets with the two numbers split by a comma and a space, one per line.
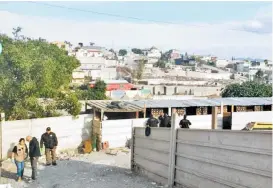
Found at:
[50, 141]
[34, 154]
[152, 122]
[165, 120]
[185, 123]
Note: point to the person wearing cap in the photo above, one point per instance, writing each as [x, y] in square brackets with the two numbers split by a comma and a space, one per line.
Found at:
[34, 154]
[50, 141]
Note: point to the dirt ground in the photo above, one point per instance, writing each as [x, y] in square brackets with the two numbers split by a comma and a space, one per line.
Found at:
[95, 170]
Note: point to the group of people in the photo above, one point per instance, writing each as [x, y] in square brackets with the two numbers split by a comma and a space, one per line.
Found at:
[165, 121]
[21, 152]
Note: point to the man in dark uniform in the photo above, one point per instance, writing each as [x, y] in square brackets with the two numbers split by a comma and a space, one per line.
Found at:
[50, 141]
[164, 120]
[152, 122]
[184, 123]
[34, 154]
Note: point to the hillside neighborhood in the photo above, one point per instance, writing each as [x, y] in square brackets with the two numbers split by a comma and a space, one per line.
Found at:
[170, 113]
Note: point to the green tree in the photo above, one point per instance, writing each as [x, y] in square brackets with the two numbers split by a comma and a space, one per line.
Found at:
[248, 89]
[122, 52]
[31, 69]
[259, 76]
[160, 64]
[16, 32]
[137, 51]
[95, 93]
[266, 62]
[140, 69]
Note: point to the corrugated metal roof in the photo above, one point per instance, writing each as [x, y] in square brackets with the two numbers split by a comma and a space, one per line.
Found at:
[244, 101]
[103, 105]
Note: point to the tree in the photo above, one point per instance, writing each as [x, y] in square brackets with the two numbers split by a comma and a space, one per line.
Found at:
[161, 64]
[140, 69]
[122, 52]
[95, 93]
[259, 76]
[32, 69]
[266, 62]
[248, 89]
[91, 43]
[137, 51]
[16, 32]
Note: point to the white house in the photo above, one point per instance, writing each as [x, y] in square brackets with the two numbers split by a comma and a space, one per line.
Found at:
[222, 63]
[78, 76]
[90, 51]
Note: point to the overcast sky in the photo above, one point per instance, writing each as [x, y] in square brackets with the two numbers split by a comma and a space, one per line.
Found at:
[225, 29]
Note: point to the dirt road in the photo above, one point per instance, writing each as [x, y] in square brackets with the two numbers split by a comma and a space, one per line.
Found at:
[83, 171]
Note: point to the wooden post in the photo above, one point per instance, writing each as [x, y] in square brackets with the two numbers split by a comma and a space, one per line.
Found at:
[232, 108]
[214, 117]
[172, 150]
[137, 115]
[144, 112]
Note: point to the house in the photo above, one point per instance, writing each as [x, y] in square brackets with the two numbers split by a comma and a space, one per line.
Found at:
[241, 66]
[115, 85]
[221, 63]
[103, 74]
[153, 55]
[90, 51]
[63, 45]
[209, 58]
[174, 54]
[78, 76]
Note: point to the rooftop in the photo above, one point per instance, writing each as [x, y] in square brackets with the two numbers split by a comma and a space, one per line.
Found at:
[244, 101]
[105, 106]
[91, 48]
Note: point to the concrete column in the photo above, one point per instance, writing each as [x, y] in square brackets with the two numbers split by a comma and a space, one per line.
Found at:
[214, 117]
[169, 111]
[173, 132]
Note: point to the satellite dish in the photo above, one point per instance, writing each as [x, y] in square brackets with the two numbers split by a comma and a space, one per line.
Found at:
[0, 48]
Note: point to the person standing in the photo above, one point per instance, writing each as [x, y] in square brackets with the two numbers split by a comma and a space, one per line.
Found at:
[50, 141]
[19, 155]
[185, 123]
[34, 154]
[152, 122]
[164, 120]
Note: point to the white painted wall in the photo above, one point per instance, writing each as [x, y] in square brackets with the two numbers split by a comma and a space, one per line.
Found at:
[203, 121]
[240, 119]
[118, 132]
[70, 131]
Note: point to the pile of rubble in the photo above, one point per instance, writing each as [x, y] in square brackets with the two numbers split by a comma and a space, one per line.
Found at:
[117, 151]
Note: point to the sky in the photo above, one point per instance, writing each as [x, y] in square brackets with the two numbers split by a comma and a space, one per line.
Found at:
[225, 29]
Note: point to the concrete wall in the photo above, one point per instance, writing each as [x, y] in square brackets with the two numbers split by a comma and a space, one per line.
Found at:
[119, 132]
[70, 131]
[203, 121]
[240, 119]
[205, 158]
[151, 154]
[210, 158]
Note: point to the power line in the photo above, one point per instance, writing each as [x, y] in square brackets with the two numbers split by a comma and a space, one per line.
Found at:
[129, 17]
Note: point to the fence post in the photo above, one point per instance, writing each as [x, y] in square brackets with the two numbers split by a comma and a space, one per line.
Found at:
[2, 121]
[132, 146]
[172, 150]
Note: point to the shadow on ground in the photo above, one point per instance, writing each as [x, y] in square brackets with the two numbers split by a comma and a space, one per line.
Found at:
[84, 174]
